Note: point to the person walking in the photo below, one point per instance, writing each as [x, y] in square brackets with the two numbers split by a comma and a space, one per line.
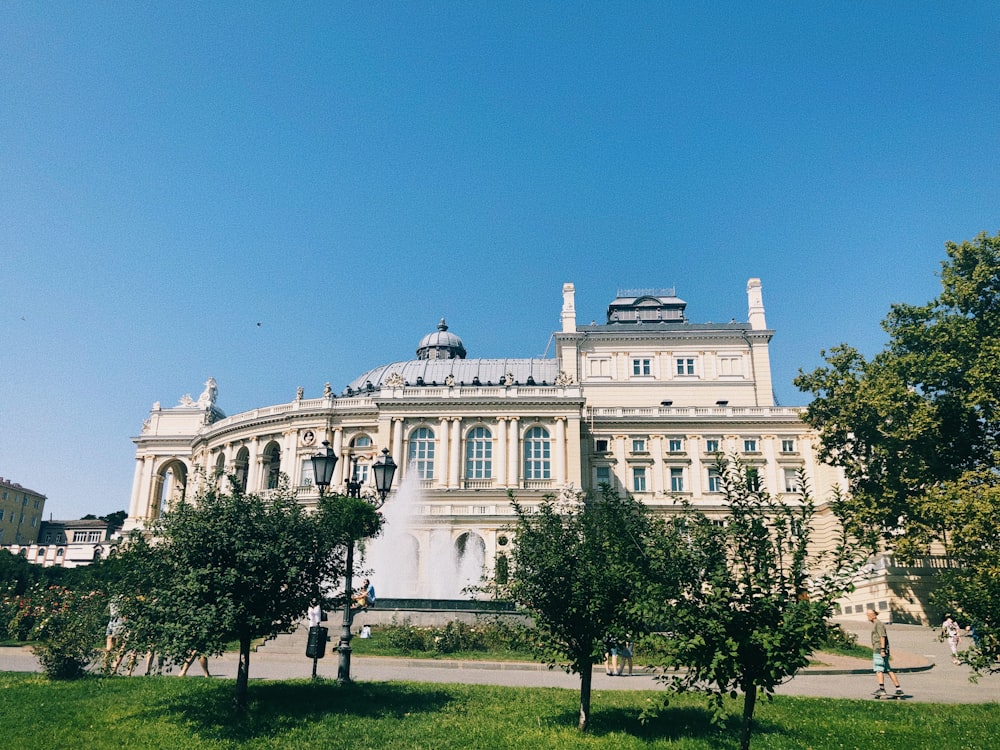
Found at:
[951, 631]
[625, 652]
[880, 655]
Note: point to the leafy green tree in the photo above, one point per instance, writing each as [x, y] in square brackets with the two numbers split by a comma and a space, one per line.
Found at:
[581, 571]
[917, 428]
[232, 566]
[972, 589]
[754, 602]
[924, 410]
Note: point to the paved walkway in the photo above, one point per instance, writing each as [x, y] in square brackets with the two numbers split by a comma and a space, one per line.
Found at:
[922, 662]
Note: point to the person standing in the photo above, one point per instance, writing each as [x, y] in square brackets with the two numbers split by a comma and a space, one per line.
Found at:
[951, 631]
[880, 655]
[610, 655]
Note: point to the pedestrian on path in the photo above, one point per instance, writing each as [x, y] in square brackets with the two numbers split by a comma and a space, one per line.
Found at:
[880, 655]
[953, 633]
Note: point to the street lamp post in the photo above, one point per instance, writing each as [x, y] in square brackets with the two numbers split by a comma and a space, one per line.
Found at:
[383, 471]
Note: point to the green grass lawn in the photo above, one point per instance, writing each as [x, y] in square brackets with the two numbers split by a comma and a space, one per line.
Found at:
[165, 712]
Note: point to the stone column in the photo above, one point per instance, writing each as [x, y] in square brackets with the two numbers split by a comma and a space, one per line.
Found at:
[513, 471]
[455, 459]
[500, 465]
[337, 446]
[441, 472]
[134, 507]
[397, 447]
[560, 452]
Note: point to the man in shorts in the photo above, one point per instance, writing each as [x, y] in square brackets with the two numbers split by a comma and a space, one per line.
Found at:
[880, 655]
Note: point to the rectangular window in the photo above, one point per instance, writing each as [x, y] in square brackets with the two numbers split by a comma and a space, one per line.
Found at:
[712, 445]
[792, 480]
[787, 445]
[675, 445]
[601, 445]
[750, 445]
[753, 479]
[1, 514]
[363, 474]
[729, 366]
[600, 367]
[638, 445]
[307, 473]
[639, 480]
[602, 475]
[685, 366]
[677, 480]
[714, 481]
[479, 454]
[641, 366]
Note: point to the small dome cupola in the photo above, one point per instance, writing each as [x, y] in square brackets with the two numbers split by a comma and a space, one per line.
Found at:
[441, 345]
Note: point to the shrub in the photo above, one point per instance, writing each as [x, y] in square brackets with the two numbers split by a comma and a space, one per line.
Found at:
[66, 626]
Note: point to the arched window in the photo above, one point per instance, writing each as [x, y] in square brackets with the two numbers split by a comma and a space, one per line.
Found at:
[421, 456]
[273, 454]
[479, 454]
[241, 468]
[537, 454]
[361, 441]
[220, 465]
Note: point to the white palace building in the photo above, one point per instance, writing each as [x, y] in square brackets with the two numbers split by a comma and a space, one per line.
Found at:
[643, 401]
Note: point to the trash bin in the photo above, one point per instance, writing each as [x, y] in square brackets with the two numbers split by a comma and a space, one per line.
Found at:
[316, 645]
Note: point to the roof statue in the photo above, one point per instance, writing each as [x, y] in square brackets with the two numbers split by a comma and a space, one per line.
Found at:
[207, 398]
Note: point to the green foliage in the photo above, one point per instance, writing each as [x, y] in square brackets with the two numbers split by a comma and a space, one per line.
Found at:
[917, 432]
[456, 637]
[232, 566]
[753, 609]
[66, 627]
[924, 410]
[583, 572]
[972, 589]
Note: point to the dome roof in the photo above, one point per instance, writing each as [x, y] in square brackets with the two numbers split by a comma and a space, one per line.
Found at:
[461, 372]
[441, 344]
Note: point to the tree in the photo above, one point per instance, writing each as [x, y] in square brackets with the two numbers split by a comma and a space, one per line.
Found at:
[580, 570]
[754, 603]
[972, 588]
[231, 566]
[924, 410]
[917, 428]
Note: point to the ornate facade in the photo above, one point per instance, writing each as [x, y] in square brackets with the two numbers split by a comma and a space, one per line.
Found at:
[643, 401]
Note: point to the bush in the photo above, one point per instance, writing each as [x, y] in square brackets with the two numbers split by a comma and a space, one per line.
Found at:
[67, 627]
[457, 636]
[839, 640]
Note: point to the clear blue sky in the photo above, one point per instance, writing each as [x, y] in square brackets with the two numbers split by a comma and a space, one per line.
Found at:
[174, 173]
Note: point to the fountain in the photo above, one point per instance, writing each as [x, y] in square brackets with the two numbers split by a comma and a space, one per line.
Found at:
[412, 560]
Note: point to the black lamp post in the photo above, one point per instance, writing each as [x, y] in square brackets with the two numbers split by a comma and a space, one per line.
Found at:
[383, 471]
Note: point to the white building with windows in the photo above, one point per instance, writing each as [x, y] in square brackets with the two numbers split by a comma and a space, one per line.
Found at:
[643, 401]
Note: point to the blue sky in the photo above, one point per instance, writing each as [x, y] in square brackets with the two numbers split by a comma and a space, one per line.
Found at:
[345, 174]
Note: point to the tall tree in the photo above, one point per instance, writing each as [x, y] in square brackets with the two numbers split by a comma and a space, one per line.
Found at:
[972, 589]
[580, 570]
[232, 566]
[924, 410]
[754, 605]
[917, 428]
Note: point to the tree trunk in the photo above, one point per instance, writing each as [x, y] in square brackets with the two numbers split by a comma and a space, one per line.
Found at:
[749, 701]
[586, 678]
[243, 672]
